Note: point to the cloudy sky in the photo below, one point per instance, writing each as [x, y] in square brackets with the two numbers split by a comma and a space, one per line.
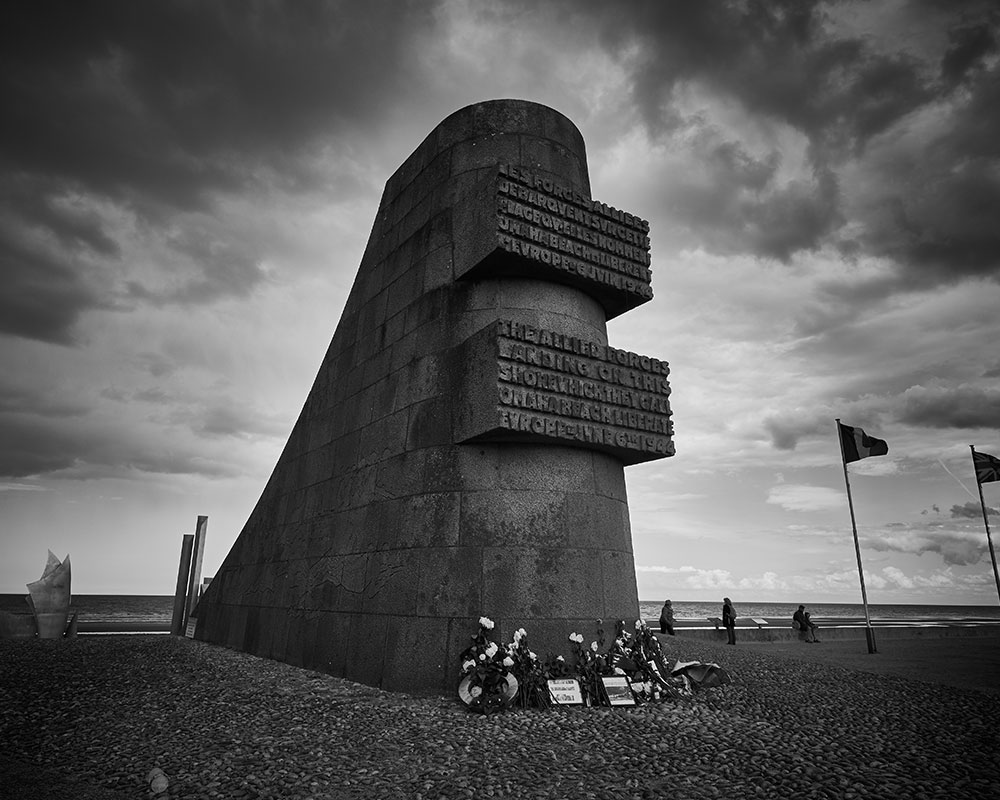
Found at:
[186, 190]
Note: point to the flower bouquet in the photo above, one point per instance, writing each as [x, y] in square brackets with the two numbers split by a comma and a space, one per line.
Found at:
[591, 665]
[486, 683]
[532, 676]
[647, 656]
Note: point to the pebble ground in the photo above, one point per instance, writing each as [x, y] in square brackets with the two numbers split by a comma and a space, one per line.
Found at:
[88, 719]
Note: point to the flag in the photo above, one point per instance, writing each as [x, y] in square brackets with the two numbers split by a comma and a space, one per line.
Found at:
[858, 444]
[987, 467]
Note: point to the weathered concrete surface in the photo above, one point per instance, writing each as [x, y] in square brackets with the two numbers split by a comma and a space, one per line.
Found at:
[389, 525]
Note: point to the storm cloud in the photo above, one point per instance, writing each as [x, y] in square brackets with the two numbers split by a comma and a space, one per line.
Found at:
[121, 117]
[967, 406]
[912, 128]
[186, 190]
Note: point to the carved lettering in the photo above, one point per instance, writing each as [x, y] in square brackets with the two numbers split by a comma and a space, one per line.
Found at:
[560, 386]
[508, 329]
[531, 182]
[562, 228]
[526, 422]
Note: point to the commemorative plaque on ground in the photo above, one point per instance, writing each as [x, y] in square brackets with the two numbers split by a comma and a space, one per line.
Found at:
[462, 449]
[619, 690]
[565, 692]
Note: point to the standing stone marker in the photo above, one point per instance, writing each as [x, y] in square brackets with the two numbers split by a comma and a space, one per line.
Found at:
[180, 592]
[197, 555]
[462, 449]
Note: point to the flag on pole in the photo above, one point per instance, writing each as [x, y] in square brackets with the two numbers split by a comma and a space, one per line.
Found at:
[858, 444]
[987, 467]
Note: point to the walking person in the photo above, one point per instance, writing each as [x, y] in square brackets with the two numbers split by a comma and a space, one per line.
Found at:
[667, 619]
[729, 619]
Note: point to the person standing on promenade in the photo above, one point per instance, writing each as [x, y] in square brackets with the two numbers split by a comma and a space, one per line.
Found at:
[800, 619]
[729, 619]
[667, 618]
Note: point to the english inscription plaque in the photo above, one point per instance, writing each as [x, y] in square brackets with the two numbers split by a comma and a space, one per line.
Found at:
[531, 383]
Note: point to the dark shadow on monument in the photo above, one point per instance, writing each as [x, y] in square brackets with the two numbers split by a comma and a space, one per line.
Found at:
[462, 449]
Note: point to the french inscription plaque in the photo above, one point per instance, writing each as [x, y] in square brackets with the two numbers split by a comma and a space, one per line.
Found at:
[519, 222]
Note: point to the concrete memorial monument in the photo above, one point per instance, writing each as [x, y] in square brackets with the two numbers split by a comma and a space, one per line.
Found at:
[462, 449]
[50, 598]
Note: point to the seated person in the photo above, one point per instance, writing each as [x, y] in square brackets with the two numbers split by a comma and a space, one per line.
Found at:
[802, 622]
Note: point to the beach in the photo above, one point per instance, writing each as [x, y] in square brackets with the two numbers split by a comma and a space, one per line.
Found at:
[90, 718]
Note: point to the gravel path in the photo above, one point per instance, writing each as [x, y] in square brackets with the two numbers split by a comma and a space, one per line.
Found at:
[966, 662]
[88, 719]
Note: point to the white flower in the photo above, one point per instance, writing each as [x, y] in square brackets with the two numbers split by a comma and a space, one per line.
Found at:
[593, 646]
[468, 665]
[576, 637]
[519, 634]
[486, 622]
[638, 624]
[619, 671]
[482, 656]
[532, 656]
[475, 691]
[508, 662]
[492, 649]
[560, 658]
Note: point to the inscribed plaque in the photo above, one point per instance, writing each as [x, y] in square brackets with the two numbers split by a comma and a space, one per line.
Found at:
[517, 222]
[532, 384]
[565, 692]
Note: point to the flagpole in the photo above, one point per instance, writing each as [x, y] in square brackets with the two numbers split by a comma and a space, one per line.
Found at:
[869, 633]
[986, 521]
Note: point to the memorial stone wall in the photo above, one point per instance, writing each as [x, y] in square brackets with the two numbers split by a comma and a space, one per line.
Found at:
[462, 449]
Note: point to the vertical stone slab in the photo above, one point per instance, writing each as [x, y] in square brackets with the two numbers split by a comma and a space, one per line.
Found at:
[462, 449]
[180, 592]
[197, 555]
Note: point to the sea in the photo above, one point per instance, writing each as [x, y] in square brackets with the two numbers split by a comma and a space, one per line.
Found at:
[112, 608]
[144, 608]
[818, 611]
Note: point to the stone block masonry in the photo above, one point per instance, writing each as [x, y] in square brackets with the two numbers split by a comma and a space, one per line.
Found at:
[462, 449]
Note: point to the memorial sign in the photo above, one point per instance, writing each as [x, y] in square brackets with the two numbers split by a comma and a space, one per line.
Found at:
[618, 690]
[566, 692]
